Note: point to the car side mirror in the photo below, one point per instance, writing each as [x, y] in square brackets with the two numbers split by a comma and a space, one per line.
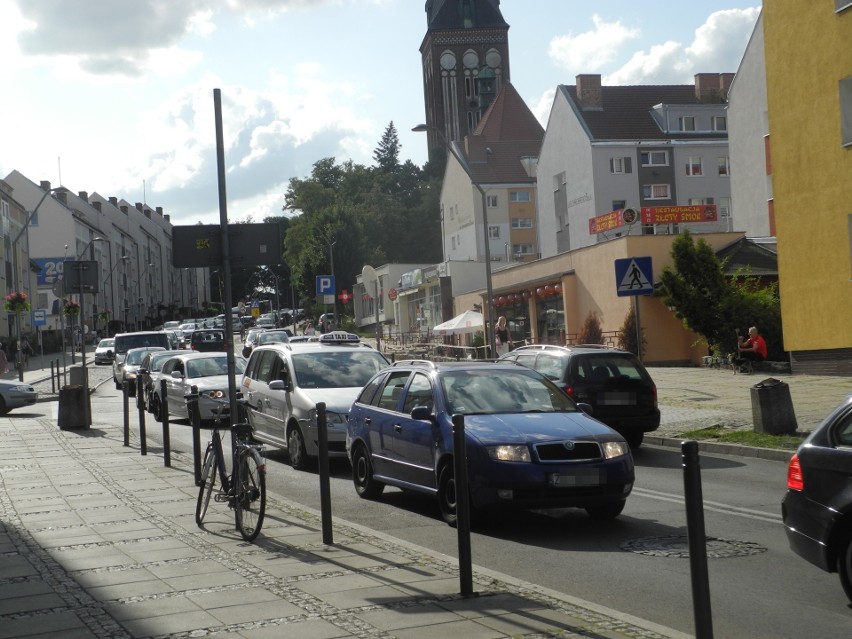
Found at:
[586, 408]
[279, 384]
[421, 413]
[177, 375]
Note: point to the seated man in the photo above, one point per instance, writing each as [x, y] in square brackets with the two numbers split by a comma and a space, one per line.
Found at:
[753, 349]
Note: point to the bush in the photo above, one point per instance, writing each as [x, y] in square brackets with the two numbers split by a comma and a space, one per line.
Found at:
[627, 338]
[591, 332]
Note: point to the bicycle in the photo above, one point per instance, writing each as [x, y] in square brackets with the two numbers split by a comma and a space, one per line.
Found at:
[244, 490]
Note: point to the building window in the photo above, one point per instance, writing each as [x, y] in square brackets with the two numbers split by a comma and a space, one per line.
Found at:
[453, 242]
[724, 208]
[686, 123]
[494, 232]
[522, 223]
[846, 110]
[655, 192]
[618, 166]
[697, 201]
[654, 158]
[4, 218]
[724, 166]
[619, 205]
[720, 123]
[694, 167]
[492, 201]
[521, 249]
[519, 196]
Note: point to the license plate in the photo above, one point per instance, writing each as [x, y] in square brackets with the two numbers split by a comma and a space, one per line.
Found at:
[617, 399]
[579, 477]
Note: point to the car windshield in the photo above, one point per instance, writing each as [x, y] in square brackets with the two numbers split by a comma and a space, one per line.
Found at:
[337, 369]
[106, 343]
[157, 361]
[508, 391]
[209, 366]
[134, 358]
[273, 337]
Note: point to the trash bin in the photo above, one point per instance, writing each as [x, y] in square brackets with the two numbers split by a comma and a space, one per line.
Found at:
[72, 410]
[772, 408]
[75, 375]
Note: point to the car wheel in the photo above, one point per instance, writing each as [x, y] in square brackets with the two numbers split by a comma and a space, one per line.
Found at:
[609, 510]
[362, 475]
[447, 494]
[296, 448]
[156, 408]
[117, 384]
[844, 565]
[3, 408]
[634, 440]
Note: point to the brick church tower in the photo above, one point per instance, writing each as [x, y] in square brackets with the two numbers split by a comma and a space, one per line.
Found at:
[465, 57]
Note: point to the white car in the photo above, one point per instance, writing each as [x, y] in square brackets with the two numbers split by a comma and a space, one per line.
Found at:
[130, 367]
[283, 383]
[206, 370]
[104, 351]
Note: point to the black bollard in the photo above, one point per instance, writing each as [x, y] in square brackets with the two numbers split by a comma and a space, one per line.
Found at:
[140, 406]
[697, 540]
[462, 507]
[164, 411]
[324, 474]
[124, 393]
[192, 406]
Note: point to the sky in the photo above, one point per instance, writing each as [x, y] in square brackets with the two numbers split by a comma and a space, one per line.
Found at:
[116, 96]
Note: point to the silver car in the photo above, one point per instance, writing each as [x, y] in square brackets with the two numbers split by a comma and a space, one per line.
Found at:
[104, 351]
[283, 383]
[15, 394]
[129, 368]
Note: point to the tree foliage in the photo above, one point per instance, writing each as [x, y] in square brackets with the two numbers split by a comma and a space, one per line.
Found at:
[591, 332]
[627, 339]
[716, 306]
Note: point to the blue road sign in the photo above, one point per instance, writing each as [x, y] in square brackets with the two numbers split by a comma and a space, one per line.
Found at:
[39, 317]
[634, 276]
[325, 285]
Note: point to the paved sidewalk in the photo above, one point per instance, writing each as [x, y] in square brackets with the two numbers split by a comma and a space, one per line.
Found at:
[99, 541]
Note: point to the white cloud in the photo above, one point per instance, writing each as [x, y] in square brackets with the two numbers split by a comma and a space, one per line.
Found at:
[593, 49]
[717, 47]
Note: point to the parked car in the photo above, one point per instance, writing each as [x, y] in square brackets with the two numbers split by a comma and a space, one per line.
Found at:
[266, 322]
[207, 371]
[283, 383]
[817, 509]
[208, 339]
[528, 444]
[104, 351]
[273, 336]
[149, 374]
[612, 381]
[250, 341]
[126, 341]
[130, 367]
[15, 394]
[186, 329]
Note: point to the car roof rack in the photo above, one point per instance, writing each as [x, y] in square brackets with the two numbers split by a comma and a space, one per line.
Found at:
[415, 362]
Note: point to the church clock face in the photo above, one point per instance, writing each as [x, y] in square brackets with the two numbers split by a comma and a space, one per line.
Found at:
[448, 61]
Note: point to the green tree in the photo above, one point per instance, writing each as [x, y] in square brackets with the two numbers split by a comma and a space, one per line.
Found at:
[591, 332]
[386, 154]
[715, 305]
[627, 339]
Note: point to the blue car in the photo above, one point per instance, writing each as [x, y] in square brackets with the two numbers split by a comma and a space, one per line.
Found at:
[528, 444]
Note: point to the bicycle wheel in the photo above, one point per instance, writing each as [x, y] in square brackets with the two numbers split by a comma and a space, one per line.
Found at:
[208, 480]
[250, 494]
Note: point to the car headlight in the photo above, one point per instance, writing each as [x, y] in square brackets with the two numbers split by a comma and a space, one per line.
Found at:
[615, 449]
[513, 453]
[331, 419]
[213, 394]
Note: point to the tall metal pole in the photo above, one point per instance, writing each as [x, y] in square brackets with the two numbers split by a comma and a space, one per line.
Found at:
[226, 254]
[334, 299]
[489, 290]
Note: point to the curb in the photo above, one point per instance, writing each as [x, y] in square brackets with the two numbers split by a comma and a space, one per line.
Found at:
[770, 454]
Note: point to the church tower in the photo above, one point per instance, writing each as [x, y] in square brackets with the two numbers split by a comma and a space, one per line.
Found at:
[465, 63]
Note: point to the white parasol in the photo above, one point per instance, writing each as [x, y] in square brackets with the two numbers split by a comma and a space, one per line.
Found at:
[467, 322]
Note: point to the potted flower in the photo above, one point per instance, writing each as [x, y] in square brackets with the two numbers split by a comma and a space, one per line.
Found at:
[105, 315]
[16, 302]
[71, 308]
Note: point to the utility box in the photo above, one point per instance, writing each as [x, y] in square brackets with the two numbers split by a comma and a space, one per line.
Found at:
[75, 411]
[772, 408]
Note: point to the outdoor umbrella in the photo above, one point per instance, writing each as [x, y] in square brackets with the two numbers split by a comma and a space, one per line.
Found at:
[467, 322]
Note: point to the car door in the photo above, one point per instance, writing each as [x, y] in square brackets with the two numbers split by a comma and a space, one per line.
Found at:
[256, 391]
[382, 419]
[413, 439]
[175, 387]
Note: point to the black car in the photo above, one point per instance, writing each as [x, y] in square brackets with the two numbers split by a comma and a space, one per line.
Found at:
[527, 444]
[612, 381]
[207, 340]
[817, 509]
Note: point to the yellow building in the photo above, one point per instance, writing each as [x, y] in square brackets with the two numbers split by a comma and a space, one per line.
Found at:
[809, 99]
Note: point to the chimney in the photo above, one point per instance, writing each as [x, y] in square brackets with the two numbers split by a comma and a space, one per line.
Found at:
[83, 195]
[725, 80]
[113, 200]
[62, 196]
[147, 213]
[708, 87]
[123, 208]
[45, 185]
[97, 205]
[589, 91]
[160, 211]
[167, 218]
[139, 206]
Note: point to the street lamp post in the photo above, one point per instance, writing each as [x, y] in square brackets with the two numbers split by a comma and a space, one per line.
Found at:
[140, 297]
[489, 290]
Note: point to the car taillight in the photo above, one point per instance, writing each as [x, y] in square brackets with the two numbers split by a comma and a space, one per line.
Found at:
[795, 479]
[569, 390]
[654, 394]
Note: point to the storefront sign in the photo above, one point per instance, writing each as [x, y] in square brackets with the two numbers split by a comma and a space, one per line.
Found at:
[611, 220]
[679, 214]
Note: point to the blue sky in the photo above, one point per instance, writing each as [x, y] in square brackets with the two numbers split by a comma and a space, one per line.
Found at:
[116, 96]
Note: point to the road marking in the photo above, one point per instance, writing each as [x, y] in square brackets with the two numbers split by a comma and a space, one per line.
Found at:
[713, 506]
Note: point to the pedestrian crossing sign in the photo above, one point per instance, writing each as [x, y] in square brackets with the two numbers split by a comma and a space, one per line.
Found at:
[634, 276]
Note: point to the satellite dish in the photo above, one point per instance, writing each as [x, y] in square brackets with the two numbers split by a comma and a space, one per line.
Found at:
[369, 277]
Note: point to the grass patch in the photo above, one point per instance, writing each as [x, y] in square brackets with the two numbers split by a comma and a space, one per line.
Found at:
[744, 437]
